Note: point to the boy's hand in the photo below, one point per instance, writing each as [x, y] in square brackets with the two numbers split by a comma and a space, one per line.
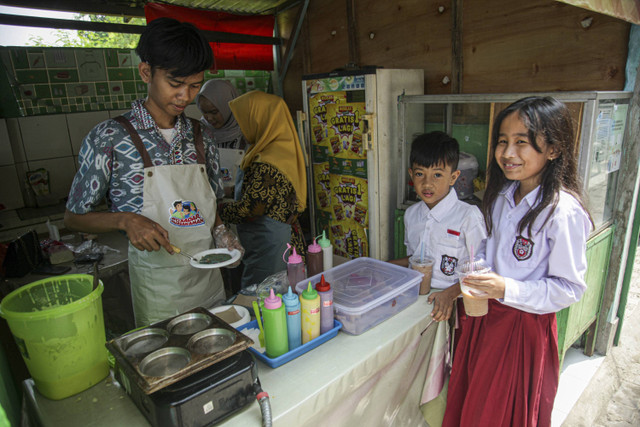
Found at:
[443, 302]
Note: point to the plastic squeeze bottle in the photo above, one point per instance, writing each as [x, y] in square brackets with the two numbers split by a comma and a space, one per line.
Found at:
[274, 320]
[310, 302]
[315, 261]
[327, 252]
[292, 308]
[295, 267]
[326, 305]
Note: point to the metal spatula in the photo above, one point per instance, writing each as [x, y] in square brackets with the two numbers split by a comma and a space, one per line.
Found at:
[183, 253]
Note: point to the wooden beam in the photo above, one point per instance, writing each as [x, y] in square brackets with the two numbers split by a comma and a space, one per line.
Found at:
[211, 36]
[623, 218]
[456, 46]
[354, 54]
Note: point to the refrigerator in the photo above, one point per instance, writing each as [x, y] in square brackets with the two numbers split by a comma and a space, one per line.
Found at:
[351, 134]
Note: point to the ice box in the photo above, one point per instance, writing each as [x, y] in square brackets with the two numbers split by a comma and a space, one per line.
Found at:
[367, 291]
[468, 166]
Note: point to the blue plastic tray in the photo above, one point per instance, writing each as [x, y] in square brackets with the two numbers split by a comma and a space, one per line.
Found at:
[290, 355]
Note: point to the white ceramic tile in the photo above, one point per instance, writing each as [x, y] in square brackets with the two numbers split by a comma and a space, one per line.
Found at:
[116, 113]
[558, 417]
[45, 137]
[61, 173]
[80, 124]
[579, 365]
[10, 195]
[577, 371]
[21, 170]
[6, 152]
[15, 138]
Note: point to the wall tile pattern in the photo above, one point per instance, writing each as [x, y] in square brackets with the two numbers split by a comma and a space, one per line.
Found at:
[69, 80]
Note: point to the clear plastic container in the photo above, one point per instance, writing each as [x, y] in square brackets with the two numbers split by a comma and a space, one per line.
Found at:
[468, 166]
[367, 292]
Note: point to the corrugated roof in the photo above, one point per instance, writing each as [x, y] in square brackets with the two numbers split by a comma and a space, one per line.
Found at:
[243, 7]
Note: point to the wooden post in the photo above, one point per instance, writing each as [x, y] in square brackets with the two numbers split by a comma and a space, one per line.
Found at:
[456, 46]
[623, 214]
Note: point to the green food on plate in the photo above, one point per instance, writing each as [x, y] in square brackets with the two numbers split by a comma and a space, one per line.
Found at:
[214, 258]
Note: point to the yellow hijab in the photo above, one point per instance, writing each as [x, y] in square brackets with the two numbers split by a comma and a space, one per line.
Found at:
[267, 125]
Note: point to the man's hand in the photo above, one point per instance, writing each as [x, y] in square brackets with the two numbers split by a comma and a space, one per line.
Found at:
[145, 234]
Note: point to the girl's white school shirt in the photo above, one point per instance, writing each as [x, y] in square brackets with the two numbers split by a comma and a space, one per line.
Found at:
[448, 231]
[544, 272]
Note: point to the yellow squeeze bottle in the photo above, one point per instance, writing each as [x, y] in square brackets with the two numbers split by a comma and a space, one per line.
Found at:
[310, 303]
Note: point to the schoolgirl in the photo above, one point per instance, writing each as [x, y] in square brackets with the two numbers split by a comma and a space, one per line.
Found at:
[505, 366]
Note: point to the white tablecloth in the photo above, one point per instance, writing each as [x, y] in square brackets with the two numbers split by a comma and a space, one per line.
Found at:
[376, 378]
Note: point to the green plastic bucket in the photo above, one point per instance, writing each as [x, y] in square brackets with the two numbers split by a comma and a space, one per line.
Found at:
[59, 328]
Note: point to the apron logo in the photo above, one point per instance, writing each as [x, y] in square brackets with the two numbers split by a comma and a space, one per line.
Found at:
[522, 248]
[184, 213]
[448, 265]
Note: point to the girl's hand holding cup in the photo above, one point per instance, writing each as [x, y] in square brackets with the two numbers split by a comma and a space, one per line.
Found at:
[476, 284]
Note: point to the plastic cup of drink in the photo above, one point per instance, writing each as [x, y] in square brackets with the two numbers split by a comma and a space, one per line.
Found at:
[424, 266]
[473, 306]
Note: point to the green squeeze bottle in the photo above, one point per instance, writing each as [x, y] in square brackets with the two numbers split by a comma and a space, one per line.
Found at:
[274, 319]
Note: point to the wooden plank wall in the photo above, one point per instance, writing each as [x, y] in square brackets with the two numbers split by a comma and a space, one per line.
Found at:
[506, 46]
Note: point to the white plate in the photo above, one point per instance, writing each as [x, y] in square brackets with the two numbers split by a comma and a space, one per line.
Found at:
[235, 255]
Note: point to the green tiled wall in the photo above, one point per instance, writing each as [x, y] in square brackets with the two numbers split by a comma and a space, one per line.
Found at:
[69, 80]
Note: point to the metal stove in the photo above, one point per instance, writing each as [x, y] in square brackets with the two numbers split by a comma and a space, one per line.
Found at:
[201, 399]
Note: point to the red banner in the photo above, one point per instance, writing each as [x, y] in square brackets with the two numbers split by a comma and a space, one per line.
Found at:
[227, 56]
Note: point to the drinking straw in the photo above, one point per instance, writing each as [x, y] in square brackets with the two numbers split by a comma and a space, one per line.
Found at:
[422, 252]
[472, 260]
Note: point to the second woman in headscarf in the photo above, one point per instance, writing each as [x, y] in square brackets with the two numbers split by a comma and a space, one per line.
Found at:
[274, 189]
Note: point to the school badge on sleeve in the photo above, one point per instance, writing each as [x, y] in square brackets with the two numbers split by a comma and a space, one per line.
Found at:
[522, 248]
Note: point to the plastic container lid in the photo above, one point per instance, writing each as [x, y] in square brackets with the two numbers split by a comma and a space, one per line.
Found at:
[309, 293]
[324, 242]
[363, 283]
[272, 301]
[314, 247]
[322, 285]
[467, 161]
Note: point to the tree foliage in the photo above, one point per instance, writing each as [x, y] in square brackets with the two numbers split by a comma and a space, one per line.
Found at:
[93, 39]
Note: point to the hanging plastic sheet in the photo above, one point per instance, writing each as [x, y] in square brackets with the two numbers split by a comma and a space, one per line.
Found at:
[227, 56]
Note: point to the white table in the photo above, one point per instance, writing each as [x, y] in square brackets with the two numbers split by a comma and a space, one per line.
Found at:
[375, 378]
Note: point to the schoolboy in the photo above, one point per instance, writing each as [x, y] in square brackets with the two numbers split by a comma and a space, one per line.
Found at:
[147, 160]
[448, 227]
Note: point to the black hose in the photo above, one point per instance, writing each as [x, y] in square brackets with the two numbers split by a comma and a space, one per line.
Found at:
[265, 405]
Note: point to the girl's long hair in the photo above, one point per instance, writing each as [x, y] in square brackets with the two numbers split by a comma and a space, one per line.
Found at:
[549, 119]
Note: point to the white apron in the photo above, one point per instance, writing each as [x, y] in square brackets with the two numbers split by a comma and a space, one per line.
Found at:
[163, 285]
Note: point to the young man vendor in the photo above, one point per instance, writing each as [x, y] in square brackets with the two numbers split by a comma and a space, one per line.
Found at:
[146, 161]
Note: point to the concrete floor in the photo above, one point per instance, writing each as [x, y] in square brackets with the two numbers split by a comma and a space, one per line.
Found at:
[601, 390]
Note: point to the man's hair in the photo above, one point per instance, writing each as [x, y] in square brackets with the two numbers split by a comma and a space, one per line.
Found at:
[434, 149]
[177, 47]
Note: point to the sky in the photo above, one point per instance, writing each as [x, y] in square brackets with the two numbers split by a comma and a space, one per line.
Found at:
[11, 35]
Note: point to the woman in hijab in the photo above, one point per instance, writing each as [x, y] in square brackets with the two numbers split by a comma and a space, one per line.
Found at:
[274, 189]
[213, 102]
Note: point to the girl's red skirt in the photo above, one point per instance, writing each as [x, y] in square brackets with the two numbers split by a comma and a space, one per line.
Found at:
[505, 369]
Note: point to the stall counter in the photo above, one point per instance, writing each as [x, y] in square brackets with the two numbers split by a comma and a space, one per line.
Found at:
[349, 380]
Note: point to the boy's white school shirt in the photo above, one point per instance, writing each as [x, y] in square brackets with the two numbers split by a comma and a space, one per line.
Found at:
[544, 272]
[449, 230]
